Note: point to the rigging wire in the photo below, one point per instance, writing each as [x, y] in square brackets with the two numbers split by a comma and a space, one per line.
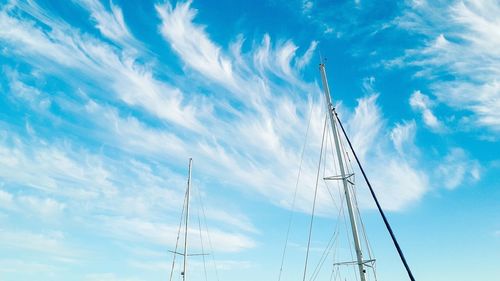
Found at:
[314, 200]
[324, 256]
[363, 227]
[209, 239]
[350, 243]
[347, 231]
[352, 191]
[335, 253]
[324, 170]
[329, 245]
[365, 237]
[201, 237]
[386, 222]
[295, 195]
[333, 241]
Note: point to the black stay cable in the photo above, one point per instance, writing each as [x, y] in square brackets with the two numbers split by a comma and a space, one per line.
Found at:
[386, 222]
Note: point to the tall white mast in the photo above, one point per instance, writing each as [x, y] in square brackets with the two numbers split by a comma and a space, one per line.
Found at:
[344, 177]
[187, 219]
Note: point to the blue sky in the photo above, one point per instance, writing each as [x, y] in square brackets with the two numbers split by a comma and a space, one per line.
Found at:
[102, 104]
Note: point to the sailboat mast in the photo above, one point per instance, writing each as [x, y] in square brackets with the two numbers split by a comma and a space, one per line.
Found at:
[354, 226]
[187, 219]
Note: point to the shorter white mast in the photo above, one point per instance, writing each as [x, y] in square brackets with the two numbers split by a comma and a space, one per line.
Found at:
[187, 219]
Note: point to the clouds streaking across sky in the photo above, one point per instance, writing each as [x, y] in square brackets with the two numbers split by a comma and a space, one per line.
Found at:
[103, 102]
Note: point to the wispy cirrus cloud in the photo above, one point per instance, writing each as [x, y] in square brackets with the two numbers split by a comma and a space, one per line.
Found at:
[423, 104]
[403, 137]
[108, 277]
[97, 181]
[459, 56]
[118, 72]
[48, 168]
[197, 49]
[110, 22]
[165, 235]
[276, 116]
[272, 117]
[45, 208]
[402, 181]
[114, 160]
[457, 167]
[51, 244]
[14, 266]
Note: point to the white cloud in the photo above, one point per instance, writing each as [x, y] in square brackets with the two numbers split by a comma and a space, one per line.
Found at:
[137, 191]
[192, 43]
[328, 30]
[400, 184]
[165, 235]
[423, 104]
[308, 55]
[462, 40]
[15, 266]
[108, 277]
[234, 264]
[403, 136]
[65, 48]
[279, 119]
[50, 169]
[232, 219]
[457, 168]
[268, 114]
[132, 135]
[365, 124]
[52, 244]
[307, 5]
[44, 208]
[110, 23]
[157, 265]
[27, 94]
[389, 156]
[130, 193]
[6, 199]
[259, 142]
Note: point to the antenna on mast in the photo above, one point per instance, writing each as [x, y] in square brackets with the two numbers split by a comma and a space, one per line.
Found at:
[322, 60]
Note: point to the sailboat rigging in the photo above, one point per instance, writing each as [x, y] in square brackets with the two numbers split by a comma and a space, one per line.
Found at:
[345, 176]
[185, 215]
[332, 114]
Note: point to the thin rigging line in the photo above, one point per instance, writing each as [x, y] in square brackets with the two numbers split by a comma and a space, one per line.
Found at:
[209, 239]
[314, 200]
[295, 195]
[323, 257]
[201, 237]
[328, 249]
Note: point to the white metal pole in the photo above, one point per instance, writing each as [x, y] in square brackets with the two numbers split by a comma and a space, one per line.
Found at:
[354, 227]
[184, 272]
